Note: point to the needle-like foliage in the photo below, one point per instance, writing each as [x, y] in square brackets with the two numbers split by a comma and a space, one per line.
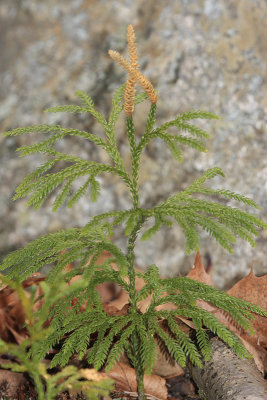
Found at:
[195, 208]
[27, 354]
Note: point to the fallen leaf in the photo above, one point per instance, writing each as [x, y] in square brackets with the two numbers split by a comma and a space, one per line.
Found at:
[112, 310]
[120, 302]
[198, 272]
[12, 315]
[125, 381]
[91, 374]
[108, 291]
[258, 353]
[164, 368]
[254, 289]
[34, 279]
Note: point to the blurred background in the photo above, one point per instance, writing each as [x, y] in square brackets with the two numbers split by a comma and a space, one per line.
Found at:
[203, 54]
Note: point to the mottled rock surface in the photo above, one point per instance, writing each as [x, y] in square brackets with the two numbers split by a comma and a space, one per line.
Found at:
[199, 54]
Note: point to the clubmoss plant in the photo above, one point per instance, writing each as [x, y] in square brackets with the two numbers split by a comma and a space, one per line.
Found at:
[135, 333]
[26, 353]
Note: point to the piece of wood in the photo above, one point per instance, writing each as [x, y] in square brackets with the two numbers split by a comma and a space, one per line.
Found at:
[227, 377]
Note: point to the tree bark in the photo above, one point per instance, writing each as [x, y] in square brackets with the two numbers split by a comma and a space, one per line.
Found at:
[227, 377]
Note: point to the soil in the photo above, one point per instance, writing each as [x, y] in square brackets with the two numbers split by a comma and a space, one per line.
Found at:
[181, 388]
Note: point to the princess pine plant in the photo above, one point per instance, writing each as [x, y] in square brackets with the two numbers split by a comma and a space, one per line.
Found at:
[135, 333]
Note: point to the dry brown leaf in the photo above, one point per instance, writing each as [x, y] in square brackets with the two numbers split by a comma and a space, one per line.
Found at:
[91, 374]
[250, 288]
[258, 353]
[34, 279]
[164, 368]
[198, 272]
[12, 315]
[112, 310]
[254, 289]
[125, 381]
[120, 302]
[108, 291]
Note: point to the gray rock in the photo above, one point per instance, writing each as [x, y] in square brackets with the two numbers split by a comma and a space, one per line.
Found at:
[208, 55]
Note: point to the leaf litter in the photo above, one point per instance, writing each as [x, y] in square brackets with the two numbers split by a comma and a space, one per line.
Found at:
[115, 302]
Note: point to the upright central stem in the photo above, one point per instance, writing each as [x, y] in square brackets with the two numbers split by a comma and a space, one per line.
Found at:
[136, 203]
[130, 259]
[135, 342]
[134, 159]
